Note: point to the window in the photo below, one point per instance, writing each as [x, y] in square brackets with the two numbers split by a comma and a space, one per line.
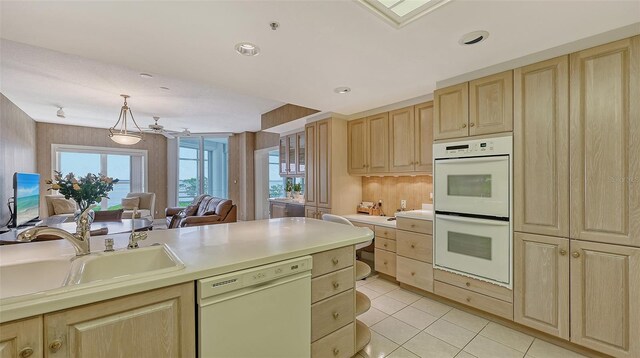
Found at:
[202, 168]
[128, 166]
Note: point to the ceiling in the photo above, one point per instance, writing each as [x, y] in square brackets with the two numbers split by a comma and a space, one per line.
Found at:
[188, 46]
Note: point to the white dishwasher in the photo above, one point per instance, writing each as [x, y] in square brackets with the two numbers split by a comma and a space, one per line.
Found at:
[259, 312]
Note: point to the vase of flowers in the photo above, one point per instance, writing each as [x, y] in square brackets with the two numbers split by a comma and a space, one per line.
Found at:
[85, 191]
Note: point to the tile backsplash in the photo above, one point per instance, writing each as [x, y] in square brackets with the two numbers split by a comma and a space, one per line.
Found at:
[414, 189]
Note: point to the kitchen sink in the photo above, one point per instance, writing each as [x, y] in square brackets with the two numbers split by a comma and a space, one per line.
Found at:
[124, 264]
[32, 277]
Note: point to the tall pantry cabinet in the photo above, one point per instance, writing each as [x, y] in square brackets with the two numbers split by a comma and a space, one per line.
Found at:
[577, 241]
[328, 186]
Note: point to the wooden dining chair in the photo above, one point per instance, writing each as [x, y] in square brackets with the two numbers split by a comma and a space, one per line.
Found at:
[108, 215]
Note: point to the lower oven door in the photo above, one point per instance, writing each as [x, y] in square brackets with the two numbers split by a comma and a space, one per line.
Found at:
[476, 247]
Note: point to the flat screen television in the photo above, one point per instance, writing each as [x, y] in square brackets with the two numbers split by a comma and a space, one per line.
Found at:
[26, 194]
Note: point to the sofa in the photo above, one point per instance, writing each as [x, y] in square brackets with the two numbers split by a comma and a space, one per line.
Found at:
[146, 206]
[204, 210]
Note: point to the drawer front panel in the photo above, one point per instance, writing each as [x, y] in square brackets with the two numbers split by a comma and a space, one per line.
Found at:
[339, 344]
[331, 314]
[414, 273]
[475, 300]
[385, 232]
[332, 260]
[331, 284]
[385, 244]
[415, 225]
[485, 288]
[385, 262]
[415, 246]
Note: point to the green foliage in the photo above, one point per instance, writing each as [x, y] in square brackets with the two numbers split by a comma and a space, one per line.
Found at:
[276, 191]
[85, 191]
[289, 186]
[297, 187]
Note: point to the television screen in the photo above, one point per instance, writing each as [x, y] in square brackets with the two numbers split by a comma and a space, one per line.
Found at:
[27, 197]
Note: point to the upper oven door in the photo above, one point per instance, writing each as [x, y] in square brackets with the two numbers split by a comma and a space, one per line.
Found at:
[478, 185]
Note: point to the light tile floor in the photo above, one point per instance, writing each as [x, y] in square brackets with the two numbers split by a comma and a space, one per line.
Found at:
[406, 325]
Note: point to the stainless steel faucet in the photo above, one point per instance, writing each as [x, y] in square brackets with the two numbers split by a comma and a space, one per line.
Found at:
[135, 237]
[80, 239]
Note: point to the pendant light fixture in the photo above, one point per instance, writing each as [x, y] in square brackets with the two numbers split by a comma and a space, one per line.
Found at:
[120, 132]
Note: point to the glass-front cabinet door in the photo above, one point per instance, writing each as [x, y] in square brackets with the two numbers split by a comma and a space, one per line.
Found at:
[291, 147]
[284, 166]
[300, 165]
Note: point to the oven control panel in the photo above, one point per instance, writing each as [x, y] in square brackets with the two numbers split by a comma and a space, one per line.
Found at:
[474, 147]
[470, 148]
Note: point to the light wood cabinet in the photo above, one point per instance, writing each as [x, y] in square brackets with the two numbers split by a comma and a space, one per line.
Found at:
[424, 137]
[451, 112]
[21, 339]
[358, 148]
[283, 155]
[605, 143]
[402, 137]
[311, 174]
[378, 143]
[491, 104]
[159, 323]
[323, 163]
[541, 283]
[292, 155]
[300, 153]
[541, 148]
[605, 297]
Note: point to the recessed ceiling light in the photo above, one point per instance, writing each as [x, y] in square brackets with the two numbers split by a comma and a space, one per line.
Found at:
[164, 88]
[247, 49]
[342, 90]
[146, 75]
[473, 38]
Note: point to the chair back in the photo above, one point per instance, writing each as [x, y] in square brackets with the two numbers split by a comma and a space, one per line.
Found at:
[341, 220]
[108, 215]
[147, 201]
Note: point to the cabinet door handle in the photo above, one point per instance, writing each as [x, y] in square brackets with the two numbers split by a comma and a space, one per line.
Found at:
[464, 125]
[336, 351]
[413, 246]
[563, 252]
[471, 124]
[335, 261]
[25, 352]
[575, 254]
[385, 262]
[413, 274]
[385, 244]
[55, 345]
[468, 299]
[468, 284]
[336, 284]
[336, 315]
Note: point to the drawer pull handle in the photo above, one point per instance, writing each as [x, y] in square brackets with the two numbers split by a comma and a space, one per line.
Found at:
[336, 284]
[25, 352]
[575, 254]
[336, 351]
[468, 299]
[55, 345]
[471, 124]
[413, 225]
[413, 273]
[336, 315]
[335, 261]
[385, 244]
[468, 284]
[413, 246]
[563, 252]
[464, 125]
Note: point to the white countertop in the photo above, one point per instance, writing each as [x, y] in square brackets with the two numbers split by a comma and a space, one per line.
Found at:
[382, 220]
[288, 201]
[206, 251]
[416, 214]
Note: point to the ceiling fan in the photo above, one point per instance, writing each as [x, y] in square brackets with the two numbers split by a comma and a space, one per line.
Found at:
[159, 129]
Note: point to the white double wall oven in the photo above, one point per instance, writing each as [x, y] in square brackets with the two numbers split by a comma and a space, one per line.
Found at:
[473, 208]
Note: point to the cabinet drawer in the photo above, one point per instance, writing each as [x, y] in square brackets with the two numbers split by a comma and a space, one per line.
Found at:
[385, 232]
[330, 314]
[414, 273]
[385, 262]
[339, 344]
[468, 283]
[414, 245]
[415, 225]
[368, 226]
[385, 244]
[331, 284]
[332, 260]
[475, 300]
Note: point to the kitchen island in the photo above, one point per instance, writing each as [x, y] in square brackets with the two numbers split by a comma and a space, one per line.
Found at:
[203, 252]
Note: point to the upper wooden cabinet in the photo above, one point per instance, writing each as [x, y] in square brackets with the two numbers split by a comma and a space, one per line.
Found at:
[605, 143]
[21, 339]
[541, 283]
[310, 171]
[292, 155]
[402, 138]
[605, 289]
[541, 148]
[395, 142]
[159, 323]
[451, 112]
[491, 104]
[482, 106]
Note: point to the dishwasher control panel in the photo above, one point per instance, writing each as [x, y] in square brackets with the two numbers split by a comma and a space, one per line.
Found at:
[254, 276]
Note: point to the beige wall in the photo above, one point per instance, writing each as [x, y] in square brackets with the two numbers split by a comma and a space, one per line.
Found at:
[17, 150]
[241, 177]
[267, 140]
[393, 189]
[156, 146]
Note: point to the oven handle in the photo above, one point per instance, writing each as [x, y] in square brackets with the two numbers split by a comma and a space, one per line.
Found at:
[500, 158]
[473, 220]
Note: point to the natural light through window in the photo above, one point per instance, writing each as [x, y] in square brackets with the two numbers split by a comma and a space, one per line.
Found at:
[401, 12]
[202, 168]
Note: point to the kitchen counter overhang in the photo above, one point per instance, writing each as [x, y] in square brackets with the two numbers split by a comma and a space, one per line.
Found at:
[205, 251]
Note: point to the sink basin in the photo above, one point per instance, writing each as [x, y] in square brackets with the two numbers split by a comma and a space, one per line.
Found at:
[134, 263]
[32, 277]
